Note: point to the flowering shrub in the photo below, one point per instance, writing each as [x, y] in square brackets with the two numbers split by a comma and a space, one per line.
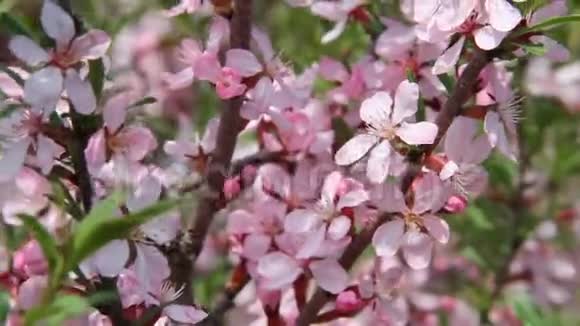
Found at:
[293, 162]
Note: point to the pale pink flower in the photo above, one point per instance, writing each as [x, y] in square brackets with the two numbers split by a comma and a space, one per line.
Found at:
[465, 150]
[418, 227]
[404, 53]
[23, 141]
[44, 87]
[562, 83]
[325, 225]
[386, 122]
[501, 120]
[30, 259]
[116, 138]
[489, 21]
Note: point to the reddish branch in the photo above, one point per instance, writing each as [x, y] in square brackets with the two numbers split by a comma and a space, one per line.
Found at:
[462, 92]
[188, 247]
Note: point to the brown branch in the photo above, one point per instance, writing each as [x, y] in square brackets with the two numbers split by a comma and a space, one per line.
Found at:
[231, 123]
[310, 312]
[462, 92]
[225, 302]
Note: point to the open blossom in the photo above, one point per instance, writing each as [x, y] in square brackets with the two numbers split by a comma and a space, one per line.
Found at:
[44, 87]
[465, 151]
[118, 139]
[417, 227]
[402, 53]
[488, 21]
[325, 225]
[562, 83]
[387, 122]
[500, 123]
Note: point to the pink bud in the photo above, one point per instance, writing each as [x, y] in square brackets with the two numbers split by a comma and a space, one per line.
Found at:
[456, 204]
[348, 301]
[30, 259]
[232, 187]
[448, 303]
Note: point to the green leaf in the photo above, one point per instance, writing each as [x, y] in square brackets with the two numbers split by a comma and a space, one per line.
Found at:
[527, 312]
[550, 23]
[45, 240]
[447, 81]
[56, 312]
[100, 226]
[534, 49]
[144, 101]
[14, 24]
[97, 76]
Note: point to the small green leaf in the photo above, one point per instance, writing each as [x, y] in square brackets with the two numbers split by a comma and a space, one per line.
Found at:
[56, 312]
[550, 23]
[144, 101]
[527, 312]
[534, 49]
[14, 24]
[97, 76]
[45, 240]
[100, 226]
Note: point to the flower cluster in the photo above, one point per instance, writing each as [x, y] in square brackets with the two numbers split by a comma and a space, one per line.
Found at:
[297, 175]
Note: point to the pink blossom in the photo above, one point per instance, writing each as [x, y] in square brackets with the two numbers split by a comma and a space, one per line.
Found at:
[44, 87]
[386, 122]
[30, 259]
[407, 232]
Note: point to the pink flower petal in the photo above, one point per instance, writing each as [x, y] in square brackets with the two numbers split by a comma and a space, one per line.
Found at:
[184, 314]
[352, 199]
[90, 46]
[417, 133]
[488, 38]
[179, 80]
[329, 275]
[27, 51]
[417, 249]
[379, 162]
[502, 15]
[437, 227]
[278, 270]
[376, 109]
[115, 111]
[244, 62]
[57, 23]
[256, 246]
[339, 227]
[355, 149]
[331, 69]
[42, 89]
[80, 93]
[13, 158]
[314, 242]
[406, 100]
[301, 220]
[447, 61]
[388, 237]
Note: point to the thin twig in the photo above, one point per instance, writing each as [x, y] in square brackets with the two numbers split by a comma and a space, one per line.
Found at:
[462, 92]
[231, 123]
